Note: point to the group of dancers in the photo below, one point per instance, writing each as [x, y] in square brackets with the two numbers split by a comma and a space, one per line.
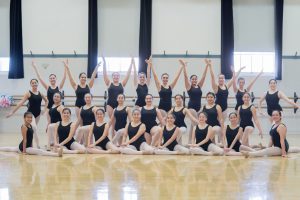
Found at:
[147, 129]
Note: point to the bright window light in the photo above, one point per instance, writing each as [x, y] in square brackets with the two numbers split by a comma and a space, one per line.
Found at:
[117, 64]
[4, 64]
[255, 61]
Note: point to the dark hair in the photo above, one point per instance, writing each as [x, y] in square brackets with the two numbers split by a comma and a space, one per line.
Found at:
[52, 75]
[247, 93]
[136, 110]
[211, 93]
[101, 110]
[58, 94]
[122, 95]
[273, 79]
[172, 115]
[204, 113]
[88, 94]
[178, 95]
[68, 109]
[34, 79]
[27, 113]
[193, 76]
[149, 95]
[221, 75]
[164, 74]
[279, 112]
[232, 113]
[82, 74]
[241, 78]
[142, 73]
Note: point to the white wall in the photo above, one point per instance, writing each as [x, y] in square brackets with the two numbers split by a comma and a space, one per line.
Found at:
[4, 28]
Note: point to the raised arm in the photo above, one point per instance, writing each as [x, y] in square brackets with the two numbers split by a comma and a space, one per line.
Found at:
[125, 80]
[201, 82]
[24, 135]
[24, 99]
[185, 75]
[234, 82]
[176, 77]
[281, 95]
[254, 80]
[94, 74]
[61, 85]
[229, 84]
[282, 133]
[105, 76]
[135, 75]
[256, 121]
[157, 82]
[44, 84]
[71, 79]
[214, 85]
[149, 70]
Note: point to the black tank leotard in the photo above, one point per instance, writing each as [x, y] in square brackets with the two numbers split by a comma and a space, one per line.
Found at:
[35, 101]
[132, 131]
[195, 94]
[29, 137]
[179, 115]
[239, 99]
[141, 91]
[63, 133]
[276, 138]
[212, 115]
[54, 114]
[148, 117]
[165, 98]
[80, 92]
[246, 117]
[221, 98]
[87, 116]
[230, 135]
[200, 135]
[272, 102]
[50, 94]
[120, 118]
[167, 134]
[113, 92]
[98, 132]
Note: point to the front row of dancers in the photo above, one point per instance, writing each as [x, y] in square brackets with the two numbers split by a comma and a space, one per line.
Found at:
[142, 135]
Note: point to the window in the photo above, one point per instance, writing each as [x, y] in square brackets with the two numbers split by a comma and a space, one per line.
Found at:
[4, 64]
[117, 64]
[255, 61]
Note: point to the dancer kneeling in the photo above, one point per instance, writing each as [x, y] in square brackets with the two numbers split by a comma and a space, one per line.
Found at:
[278, 144]
[201, 139]
[25, 146]
[64, 132]
[169, 135]
[99, 130]
[135, 130]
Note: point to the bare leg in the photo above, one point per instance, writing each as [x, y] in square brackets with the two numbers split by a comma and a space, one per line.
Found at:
[148, 137]
[155, 131]
[50, 134]
[181, 149]
[200, 151]
[40, 152]
[34, 127]
[182, 132]
[76, 146]
[194, 113]
[270, 151]
[217, 131]
[247, 131]
[82, 134]
[112, 147]
[109, 110]
[77, 112]
[163, 114]
[215, 149]
[117, 139]
[224, 113]
[146, 148]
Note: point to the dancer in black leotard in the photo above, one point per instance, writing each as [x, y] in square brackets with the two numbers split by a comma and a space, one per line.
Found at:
[86, 118]
[165, 90]
[99, 130]
[64, 132]
[55, 116]
[214, 117]
[149, 115]
[201, 139]
[135, 130]
[272, 97]
[26, 146]
[115, 87]
[246, 113]
[278, 145]
[82, 88]
[240, 89]
[34, 98]
[119, 119]
[232, 145]
[168, 138]
[142, 84]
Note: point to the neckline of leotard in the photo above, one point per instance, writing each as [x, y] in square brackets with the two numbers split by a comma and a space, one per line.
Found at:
[121, 109]
[202, 128]
[178, 110]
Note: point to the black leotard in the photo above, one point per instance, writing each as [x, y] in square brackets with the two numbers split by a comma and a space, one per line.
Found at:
[212, 115]
[35, 101]
[80, 92]
[272, 102]
[113, 92]
[98, 132]
[54, 114]
[29, 137]
[63, 133]
[148, 117]
[276, 138]
[132, 131]
[200, 135]
[87, 116]
[165, 98]
[141, 91]
[50, 94]
[246, 117]
[179, 115]
[167, 134]
[221, 98]
[120, 118]
[230, 135]
[239, 99]
[195, 94]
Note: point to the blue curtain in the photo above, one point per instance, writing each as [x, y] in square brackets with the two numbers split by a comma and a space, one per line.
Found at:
[278, 38]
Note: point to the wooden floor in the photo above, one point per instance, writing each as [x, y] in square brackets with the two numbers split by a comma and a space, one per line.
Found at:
[146, 177]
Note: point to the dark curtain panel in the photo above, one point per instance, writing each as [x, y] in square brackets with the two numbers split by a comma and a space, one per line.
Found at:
[16, 65]
[145, 33]
[278, 38]
[227, 38]
[93, 37]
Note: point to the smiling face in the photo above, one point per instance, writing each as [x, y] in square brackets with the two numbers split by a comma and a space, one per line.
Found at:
[148, 99]
[142, 78]
[88, 98]
[241, 82]
[210, 98]
[100, 115]
[56, 98]
[82, 78]
[178, 100]
[136, 115]
[170, 119]
[276, 116]
[28, 118]
[194, 80]
[233, 119]
[221, 79]
[273, 84]
[52, 79]
[165, 78]
[202, 118]
[66, 114]
[246, 98]
[34, 84]
[116, 77]
[120, 99]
